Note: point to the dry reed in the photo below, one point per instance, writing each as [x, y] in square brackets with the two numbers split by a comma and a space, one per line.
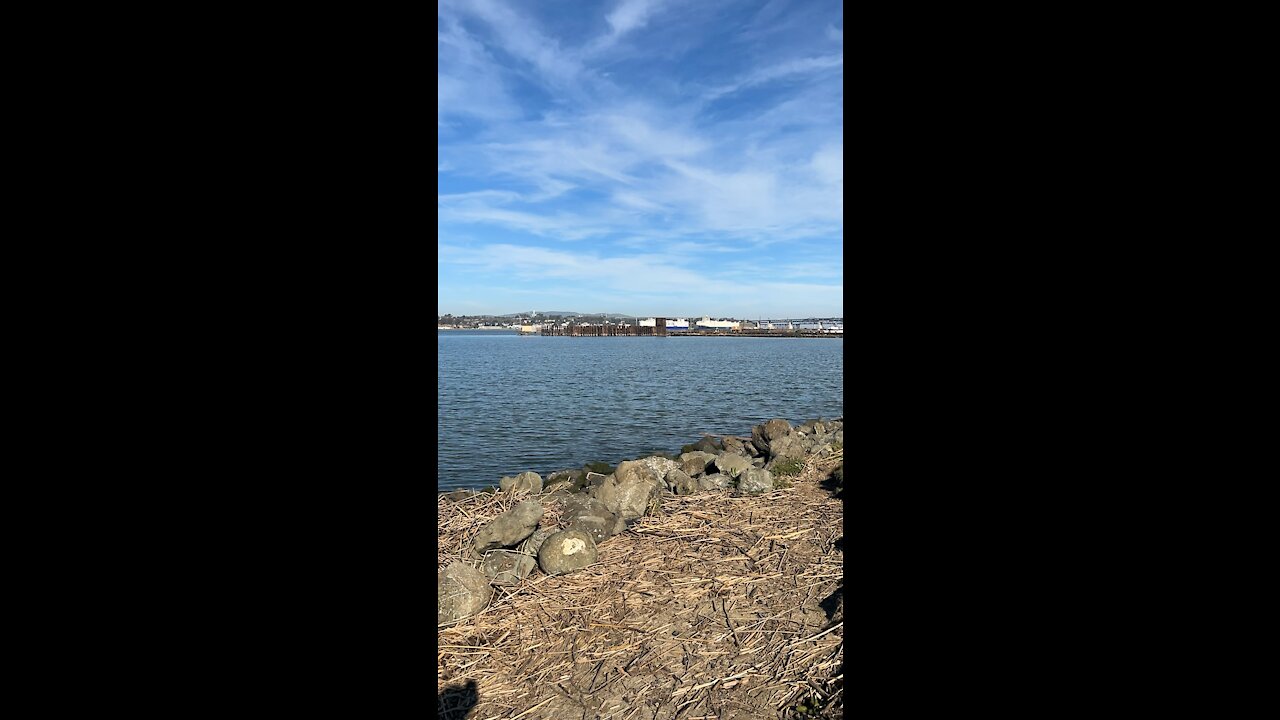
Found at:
[715, 607]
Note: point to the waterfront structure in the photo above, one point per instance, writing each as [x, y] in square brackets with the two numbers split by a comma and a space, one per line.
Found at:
[618, 329]
[671, 324]
[707, 323]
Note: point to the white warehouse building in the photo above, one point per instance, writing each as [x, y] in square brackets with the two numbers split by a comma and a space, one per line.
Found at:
[707, 322]
[676, 324]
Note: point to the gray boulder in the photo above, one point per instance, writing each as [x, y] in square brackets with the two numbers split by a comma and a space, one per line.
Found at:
[459, 495]
[758, 439]
[680, 482]
[575, 478]
[556, 494]
[463, 591]
[733, 445]
[758, 462]
[755, 481]
[533, 543]
[530, 481]
[590, 515]
[807, 442]
[567, 551]
[630, 490]
[714, 482]
[659, 465]
[787, 446]
[695, 463]
[507, 566]
[510, 527]
[776, 428]
[751, 448]
[708, 444]
[731, 464]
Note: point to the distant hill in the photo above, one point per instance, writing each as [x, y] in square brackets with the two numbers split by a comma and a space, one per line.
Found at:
[547, 314]
[564, 313]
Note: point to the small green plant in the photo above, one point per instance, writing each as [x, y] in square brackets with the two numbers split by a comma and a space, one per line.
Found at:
[808, 707]
[790, 467]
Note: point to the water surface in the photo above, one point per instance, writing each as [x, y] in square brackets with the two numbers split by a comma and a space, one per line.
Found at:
[510, 403]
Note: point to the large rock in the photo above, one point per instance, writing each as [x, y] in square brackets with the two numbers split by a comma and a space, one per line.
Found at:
[459, 495]
[533, 543]
[510, 527]
[776, 428]
[714, 482]
[807, 442]
[659, 465]
[530, 481]
[575, 478]
[680, 482]
[695, 463]
[567, 551]
[758, 439]
[506, 566]
[463, 591]
[755, 481]
[787, 446]
[731, 464]
[708, 444]
[590, 515]
[630, 490]
[733, 445]
[751, 448]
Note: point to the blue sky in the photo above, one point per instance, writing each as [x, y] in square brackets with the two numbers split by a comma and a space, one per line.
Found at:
[646, 157]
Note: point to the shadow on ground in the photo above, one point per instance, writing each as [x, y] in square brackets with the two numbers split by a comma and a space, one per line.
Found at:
[456, 702]
[834, 482]
[834, 602]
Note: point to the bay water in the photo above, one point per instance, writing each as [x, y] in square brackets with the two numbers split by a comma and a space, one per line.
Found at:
[509, 403]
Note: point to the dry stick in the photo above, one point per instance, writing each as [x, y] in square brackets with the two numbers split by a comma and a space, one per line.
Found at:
[535, 707]
[732, 627]
[824, 632]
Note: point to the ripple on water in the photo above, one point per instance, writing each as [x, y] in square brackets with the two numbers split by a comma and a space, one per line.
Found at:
[509, 404]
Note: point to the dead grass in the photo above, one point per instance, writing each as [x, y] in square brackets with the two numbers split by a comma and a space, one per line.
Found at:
[710, 609]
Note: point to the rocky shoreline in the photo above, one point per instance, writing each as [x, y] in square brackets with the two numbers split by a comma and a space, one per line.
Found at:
[707, 584]
[557, 523]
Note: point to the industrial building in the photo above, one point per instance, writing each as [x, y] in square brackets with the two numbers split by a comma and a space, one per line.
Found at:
[672, 324]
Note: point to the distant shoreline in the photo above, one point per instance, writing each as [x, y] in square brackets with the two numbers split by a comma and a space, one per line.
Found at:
[748, 334]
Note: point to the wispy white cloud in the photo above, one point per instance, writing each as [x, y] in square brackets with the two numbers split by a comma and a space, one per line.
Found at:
[760, 76]
[650, 283]
[631, 14]
[518, 34]
[618, 131]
